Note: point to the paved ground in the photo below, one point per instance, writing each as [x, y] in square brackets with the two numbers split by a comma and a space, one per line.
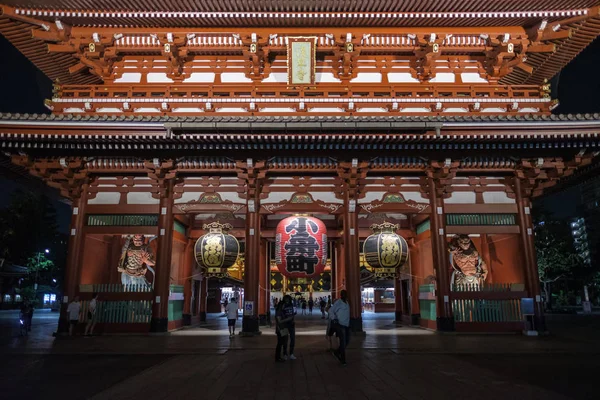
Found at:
[390, 362]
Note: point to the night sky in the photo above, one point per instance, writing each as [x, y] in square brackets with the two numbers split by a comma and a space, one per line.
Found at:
[24, 89]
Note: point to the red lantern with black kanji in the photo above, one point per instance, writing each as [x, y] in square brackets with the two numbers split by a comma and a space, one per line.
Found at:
[301, 247]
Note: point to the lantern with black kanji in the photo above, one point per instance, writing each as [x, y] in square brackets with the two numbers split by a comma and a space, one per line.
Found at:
[301, 247]
[217, 250]
[385, 251]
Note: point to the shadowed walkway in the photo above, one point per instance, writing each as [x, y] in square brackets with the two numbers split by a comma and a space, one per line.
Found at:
[390, 362]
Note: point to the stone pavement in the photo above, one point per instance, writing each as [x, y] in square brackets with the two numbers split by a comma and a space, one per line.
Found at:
[389, 362]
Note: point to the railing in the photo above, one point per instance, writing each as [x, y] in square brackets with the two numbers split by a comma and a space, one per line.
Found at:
[489, 287]
[122, 220]
[481, 219]
[120, 312]
[114, 288]
[282, 90]
[487, 310]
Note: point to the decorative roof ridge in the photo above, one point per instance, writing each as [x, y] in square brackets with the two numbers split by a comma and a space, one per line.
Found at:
[297, 119]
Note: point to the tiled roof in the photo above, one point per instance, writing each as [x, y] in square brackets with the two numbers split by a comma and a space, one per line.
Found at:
[295, 119]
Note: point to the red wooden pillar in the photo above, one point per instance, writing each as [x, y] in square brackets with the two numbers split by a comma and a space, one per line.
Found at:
[416, 279]
[445, 320]
[203, 297]
[187, 282]
[351, 262]
[529, 253]
[75, 253]
[263, 279]
[398, 299]
[252, 267]
[338, 278]
[160, 309]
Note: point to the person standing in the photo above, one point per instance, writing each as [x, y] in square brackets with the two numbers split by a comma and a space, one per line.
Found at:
[311, 304]
[282, 331]
[322, 304]
[73, 313]
[339, 315]
[303, 307]
[91, 316]
[231, 310]
[289, 313]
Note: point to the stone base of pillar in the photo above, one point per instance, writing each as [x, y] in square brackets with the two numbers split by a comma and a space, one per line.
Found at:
[262, 319]
[159, 324]
[202, 316]
[540, 324]
[187, 319]
[445, 324]
[250, 326]
[63, 324]
[398, 317]
[415, 319]
[356, 326]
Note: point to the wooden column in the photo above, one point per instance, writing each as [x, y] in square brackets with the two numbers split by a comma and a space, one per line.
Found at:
[160, 309]
[398, 299]
[187, 282]
[523, 235]
[351, 262]
[75, 254]
[529, 253]
[253, 173]
[338, 278]
[416, 279]
[445, 320]
[252, 267]
[263, 280]
[203, 297]
[485, 255]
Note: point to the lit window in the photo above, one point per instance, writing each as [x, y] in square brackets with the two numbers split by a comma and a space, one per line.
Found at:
[52, 297]
[7, 298]
[46, 298]
[17, 298]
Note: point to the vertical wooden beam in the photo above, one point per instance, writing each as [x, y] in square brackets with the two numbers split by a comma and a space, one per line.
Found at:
[445, 320]
[338, 270]
[75, 253]
[187, 282]
[523, 235]
[203, 297]
[398, 299]
[352, 266]
[263, 282]
[252, 267]
[160, 309]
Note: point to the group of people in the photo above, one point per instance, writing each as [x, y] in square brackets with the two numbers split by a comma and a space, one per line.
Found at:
[338, 324]
[74, 315]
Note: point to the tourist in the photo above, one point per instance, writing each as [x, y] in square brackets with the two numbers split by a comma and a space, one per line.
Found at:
[322, 304]
[282, 331]
[289, 313]
[328, 306]
[303, 307]
[73, 313]
[231, 310]
[339, 315]
[311, 304]
[91, 316]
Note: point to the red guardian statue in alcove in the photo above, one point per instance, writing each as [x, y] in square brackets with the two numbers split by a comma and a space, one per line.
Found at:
[136, 258]
[469, 267]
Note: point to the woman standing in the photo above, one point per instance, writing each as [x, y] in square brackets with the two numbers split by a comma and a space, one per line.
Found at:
[339, 315]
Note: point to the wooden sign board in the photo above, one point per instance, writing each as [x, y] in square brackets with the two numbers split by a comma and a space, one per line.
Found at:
[301, 54]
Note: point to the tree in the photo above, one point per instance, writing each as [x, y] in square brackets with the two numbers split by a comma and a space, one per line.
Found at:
[556, 254]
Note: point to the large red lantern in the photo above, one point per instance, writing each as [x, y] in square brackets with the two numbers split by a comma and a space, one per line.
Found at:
[301, 247]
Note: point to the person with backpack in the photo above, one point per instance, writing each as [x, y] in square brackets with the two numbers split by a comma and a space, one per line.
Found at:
[73, 313]
[339, 315]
